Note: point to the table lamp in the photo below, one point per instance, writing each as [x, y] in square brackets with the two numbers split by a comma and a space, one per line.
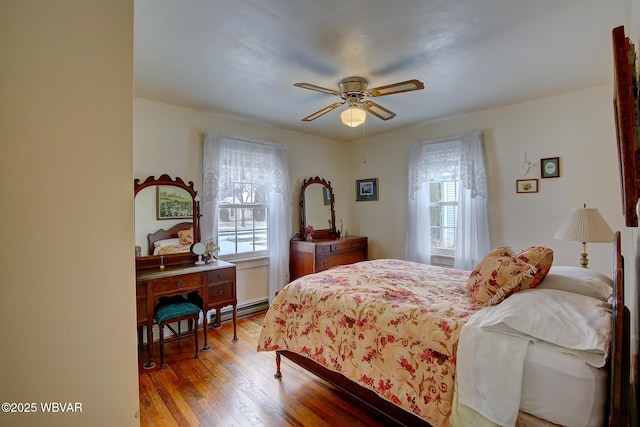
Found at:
[584, 225]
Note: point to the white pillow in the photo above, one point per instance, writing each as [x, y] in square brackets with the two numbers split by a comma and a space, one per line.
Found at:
[578, 280]
[566, 321]
[166, 242]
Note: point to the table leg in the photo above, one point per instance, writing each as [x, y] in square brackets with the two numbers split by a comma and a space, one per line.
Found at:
[205, 327]
[150, 363]
[218, 323]
[235, 320]
[140, 343]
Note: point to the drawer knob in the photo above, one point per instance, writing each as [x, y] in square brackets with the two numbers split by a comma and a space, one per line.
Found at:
[179, 283]
[353, 245]
[325, 263]
[220, 276]
[220, 293]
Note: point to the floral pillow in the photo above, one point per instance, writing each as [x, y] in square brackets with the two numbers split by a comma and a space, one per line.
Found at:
[186, 236]
[497, 276]
[541, 258]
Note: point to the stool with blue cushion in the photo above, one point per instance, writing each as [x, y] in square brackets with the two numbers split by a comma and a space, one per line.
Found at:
[175, 312]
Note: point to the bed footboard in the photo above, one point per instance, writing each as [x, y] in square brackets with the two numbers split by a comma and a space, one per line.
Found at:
[389, 413]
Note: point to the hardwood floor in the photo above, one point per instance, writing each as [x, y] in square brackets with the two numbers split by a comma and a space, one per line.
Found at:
[233, 385]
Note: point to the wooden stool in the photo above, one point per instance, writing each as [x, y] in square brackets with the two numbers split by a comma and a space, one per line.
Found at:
[175, 312]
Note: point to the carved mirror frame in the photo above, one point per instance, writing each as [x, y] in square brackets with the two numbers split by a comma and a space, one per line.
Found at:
[151, 261]
[320, 233]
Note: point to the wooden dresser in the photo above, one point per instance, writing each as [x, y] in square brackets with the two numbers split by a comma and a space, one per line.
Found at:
[215, 284]
[308, 257]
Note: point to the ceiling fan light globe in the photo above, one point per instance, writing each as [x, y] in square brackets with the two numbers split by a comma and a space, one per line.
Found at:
[353, 117]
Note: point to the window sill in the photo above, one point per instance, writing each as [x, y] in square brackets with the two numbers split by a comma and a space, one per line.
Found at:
[244, 263]
[442, 260]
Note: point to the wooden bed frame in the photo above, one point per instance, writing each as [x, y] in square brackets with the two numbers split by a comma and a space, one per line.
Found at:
[619, 365]
[167, 234]
[624, 96]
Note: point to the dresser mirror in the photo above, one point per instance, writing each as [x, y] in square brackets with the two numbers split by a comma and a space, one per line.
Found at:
[167, 221]
[317, 208]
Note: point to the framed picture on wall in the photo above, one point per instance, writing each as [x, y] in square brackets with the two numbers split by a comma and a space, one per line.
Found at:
[550, 167]
[366, 189]
[173, 202]
[526, 186]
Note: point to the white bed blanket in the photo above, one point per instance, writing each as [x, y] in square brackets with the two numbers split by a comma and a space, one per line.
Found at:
[493, 345]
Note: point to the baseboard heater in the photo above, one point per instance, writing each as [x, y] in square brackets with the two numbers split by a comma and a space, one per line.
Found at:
[243, 310]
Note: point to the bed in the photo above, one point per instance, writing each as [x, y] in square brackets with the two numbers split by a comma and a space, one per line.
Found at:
[177, 239]
[388, 333]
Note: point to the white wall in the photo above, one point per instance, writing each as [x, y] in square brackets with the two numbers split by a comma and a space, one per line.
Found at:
[578, 127]
[67, 294]
[169, 139]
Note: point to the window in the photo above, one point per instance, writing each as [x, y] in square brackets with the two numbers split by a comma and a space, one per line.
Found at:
[447, 209]
[246, 206]
[443, 212]
[242, 217]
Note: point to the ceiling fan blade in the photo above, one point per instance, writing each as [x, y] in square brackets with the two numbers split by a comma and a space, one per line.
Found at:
[377, 110]
[399, 87]
[325, 110]
[317, 88]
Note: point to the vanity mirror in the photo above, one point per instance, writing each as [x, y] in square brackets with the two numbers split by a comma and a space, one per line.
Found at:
[317, 208]
[167, 221]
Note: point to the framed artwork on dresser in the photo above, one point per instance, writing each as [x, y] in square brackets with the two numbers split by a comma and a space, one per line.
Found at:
[326, 196]
[173, 202]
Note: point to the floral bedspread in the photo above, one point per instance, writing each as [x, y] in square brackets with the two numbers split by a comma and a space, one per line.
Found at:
[174, 249]
[390, 325]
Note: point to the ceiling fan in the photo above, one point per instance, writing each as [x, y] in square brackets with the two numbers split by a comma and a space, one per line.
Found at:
[353, 90]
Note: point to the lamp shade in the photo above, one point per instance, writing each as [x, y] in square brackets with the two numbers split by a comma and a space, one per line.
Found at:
[585, 225]
[353, 116]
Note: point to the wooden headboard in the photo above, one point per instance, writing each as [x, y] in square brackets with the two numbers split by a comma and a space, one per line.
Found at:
[620, 357]
[167, 234]
[625, 94]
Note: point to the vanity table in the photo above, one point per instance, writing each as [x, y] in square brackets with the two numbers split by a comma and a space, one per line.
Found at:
[215, 283]
[325, 248]
[210, 285]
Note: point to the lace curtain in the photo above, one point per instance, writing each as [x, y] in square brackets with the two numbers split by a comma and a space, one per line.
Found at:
[460, 158]
[268, 163]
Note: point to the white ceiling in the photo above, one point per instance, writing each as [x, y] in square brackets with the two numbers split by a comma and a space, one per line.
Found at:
[241, 57]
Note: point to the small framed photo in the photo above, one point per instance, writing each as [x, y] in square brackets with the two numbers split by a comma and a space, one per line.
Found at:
[366, 189]
[173, 202]
[326, 196]
[526, 186]
[550, 167]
